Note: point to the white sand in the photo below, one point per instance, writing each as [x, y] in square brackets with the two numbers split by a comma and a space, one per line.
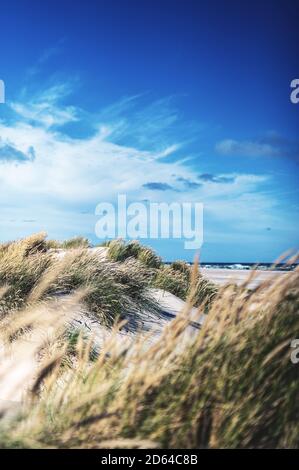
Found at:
[172, 305]
[238, 276]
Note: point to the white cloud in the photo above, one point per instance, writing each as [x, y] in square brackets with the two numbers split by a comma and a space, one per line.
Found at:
[71, 170]
[44, 110]
[68, 173]
[239, 148]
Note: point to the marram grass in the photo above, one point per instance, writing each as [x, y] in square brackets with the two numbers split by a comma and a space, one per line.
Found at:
[116, 291]
[232, 386]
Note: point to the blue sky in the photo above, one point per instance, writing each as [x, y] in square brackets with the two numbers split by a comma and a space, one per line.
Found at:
[161, 100]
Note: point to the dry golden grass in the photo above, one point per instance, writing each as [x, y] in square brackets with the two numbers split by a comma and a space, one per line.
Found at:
[233, 384]
[115, 290]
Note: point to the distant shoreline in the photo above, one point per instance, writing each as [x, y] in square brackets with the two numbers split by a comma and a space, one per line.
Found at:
[246, 266]
[242, 276]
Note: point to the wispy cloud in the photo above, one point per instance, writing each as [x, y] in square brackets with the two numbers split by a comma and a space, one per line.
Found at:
[210, 178]
[44, 110]
[187, 183]
[72, 170]
[270, 145]
[156, 186]
[46, 55]
[65, 177]
[244, 148]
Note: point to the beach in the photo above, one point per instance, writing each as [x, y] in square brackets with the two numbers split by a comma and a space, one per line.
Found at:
[239, 276]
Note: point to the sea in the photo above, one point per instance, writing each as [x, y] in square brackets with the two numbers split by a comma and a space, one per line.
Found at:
[249, 266]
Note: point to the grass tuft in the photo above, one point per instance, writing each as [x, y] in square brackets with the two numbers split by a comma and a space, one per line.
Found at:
[119, 250]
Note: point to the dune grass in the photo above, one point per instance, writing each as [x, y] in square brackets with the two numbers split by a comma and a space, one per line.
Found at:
[120, 250]
[116, 291]
[69, 244]
[174, 278]
[232, 385]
